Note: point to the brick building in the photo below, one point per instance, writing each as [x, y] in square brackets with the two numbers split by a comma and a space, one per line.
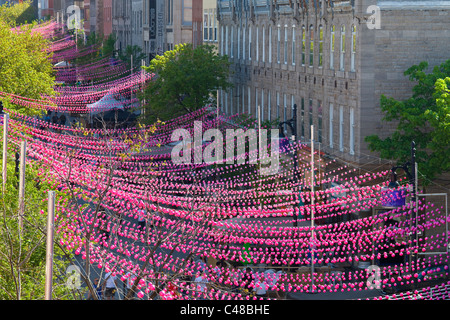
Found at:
[333, 59]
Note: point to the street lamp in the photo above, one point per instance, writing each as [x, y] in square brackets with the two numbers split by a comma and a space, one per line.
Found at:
[5, 117]
[292, 123]
[393, 184]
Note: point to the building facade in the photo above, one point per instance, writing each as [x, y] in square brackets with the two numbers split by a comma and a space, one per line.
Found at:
[333, 59]
[184, 20]
[210, 23]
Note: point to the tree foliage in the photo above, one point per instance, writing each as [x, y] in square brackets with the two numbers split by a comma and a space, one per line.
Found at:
[186, 79]
[423, 118]
[134, 51]
[18, 13]
[23, 251]
[25, 67]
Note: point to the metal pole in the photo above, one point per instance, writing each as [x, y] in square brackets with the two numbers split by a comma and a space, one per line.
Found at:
[49, 257]
[217, 105]
[259, 152]
[23, 150]
[413, 197]
[142, 85]
[294, 125]
[312, 208]
[5, 149]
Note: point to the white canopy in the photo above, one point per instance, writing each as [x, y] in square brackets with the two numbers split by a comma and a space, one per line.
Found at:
[109, 102]
[62, 64]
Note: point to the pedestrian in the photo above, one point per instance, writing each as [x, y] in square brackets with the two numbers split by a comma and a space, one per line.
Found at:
[201, 281]
[98, 291]
[47, 116]
[110, 285]
[62, 120]
[129, 281]
[142, 217]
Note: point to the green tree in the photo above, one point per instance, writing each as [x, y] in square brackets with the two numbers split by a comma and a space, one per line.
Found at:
[23, 250]
[18, 13]
[186, 79]
[25, 67]
[423, 118]
[134, 51]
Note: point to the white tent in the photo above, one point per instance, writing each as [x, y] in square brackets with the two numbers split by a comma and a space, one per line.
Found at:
[62, 64]
[109, 102]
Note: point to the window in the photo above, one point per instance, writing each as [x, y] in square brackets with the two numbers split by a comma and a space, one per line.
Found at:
[270, 44]
[239, 42]
[278, 44]
[221, 39]
[215, 25]
[320, 46]
[342, 60]
[205, 25]
[226, 40]
[341, 128]
[285, 44]
[257, 44]
[293, 45]
[263, 44]
[186, 13]
[330, 125]
[169, 12]
[210, 24]
[352, 132]
[232, 42]
[303, 45]
[352, 62]
[311, 45]
[332, 48]
[249, 43]
[243, 43]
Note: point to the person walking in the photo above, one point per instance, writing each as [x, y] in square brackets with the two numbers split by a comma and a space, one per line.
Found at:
[110, 285]
[98, 291]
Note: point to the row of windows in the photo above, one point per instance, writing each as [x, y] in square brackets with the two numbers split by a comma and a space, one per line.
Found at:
[305, 114]
[240, 39]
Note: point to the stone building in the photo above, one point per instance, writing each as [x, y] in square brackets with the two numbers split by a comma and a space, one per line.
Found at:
[156, 25]
[332, 58]
[210, 23]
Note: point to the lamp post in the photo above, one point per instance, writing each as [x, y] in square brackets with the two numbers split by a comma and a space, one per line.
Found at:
[393, 184]
[292, 123]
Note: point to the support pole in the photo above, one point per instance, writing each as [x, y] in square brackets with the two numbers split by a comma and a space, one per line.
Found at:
[5, 150]
[143, 85]
[312, 209]
[259, 153]
[49, 256]
[23, 151]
